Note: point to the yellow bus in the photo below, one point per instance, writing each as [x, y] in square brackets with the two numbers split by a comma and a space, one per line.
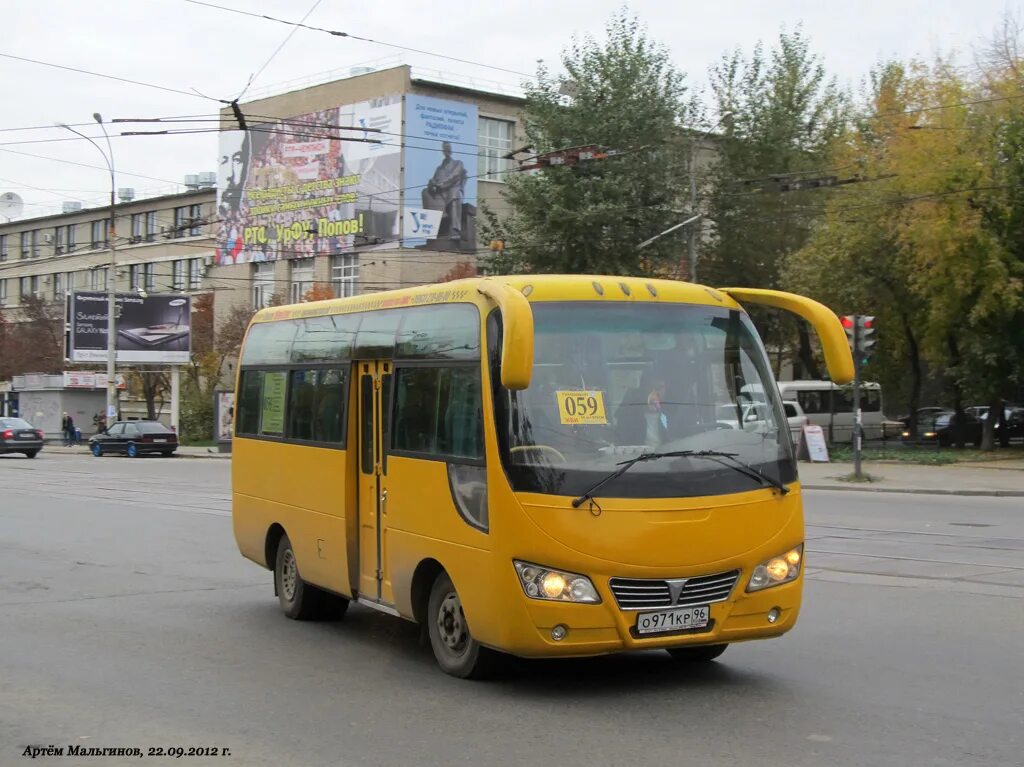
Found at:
[528, 465]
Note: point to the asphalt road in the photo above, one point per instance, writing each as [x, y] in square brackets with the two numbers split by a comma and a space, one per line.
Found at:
[127, 619]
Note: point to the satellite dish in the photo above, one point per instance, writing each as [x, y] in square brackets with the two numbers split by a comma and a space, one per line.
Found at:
[11, 205]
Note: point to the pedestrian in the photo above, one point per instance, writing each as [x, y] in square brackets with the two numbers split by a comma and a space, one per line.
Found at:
[67, 426]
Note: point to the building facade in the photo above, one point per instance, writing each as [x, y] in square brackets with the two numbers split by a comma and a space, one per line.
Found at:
[427, 154]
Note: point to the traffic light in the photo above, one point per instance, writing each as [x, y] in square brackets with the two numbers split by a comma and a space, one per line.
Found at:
[865, 342]
[849, 325]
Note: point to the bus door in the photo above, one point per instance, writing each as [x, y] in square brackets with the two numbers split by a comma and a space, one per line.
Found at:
[374, 395]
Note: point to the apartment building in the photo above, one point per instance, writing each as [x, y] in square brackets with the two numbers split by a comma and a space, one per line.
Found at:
[161, 245]
[304, 200]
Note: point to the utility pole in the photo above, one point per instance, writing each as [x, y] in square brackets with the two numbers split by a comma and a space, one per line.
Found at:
[111, 271]
[856, 396]
[691, 240]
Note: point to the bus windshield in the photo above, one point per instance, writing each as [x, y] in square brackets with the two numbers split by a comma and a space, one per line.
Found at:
[615, 380]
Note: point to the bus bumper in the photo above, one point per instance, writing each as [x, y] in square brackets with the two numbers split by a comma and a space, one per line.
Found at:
[605, 628]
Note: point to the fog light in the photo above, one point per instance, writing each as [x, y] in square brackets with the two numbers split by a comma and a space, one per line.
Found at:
[558, 632]
[773, 614]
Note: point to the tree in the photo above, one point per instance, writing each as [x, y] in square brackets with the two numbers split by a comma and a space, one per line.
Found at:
[459, 271]
[626, 96]
[933, 238]
[854, 259]
[35, 342]
[779, 113]
[319, 292]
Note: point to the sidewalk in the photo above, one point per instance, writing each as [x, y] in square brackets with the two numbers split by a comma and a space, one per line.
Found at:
[184, 451]
[995, 478]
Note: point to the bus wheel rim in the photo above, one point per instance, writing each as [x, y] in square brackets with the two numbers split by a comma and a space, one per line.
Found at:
[289, 575]
[451, 624]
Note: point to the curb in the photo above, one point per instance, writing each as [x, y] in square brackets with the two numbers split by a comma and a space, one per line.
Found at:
[918, 491]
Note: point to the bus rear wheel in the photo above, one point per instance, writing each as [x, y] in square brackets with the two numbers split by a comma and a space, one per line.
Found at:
[456, 651]
[299, 600]
[703, 654]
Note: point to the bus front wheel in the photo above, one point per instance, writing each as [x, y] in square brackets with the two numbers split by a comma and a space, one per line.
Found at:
[299, 600]
[697, 654]
[456, 651]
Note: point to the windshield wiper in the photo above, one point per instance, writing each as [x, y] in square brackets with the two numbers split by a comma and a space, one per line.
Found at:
[740, 466]
[624, 467]
[714, 455]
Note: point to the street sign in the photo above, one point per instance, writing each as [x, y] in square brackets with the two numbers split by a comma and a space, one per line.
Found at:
[817, 448]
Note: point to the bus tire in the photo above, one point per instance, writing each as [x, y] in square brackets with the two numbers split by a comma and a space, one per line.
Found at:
[703, 654]
[456, 651]
[299, 600]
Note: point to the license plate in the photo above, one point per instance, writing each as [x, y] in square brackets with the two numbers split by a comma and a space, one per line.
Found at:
[159, 440]
[26, 436]
[673, 620]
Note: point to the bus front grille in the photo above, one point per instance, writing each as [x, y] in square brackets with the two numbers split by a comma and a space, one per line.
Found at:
[645, 594]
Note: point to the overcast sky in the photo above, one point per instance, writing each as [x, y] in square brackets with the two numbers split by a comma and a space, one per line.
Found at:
[184, 46]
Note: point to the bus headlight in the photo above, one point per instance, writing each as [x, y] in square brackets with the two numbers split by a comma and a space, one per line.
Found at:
[777, 570]
[555, 585]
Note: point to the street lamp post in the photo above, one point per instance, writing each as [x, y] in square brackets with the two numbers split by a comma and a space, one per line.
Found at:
[108, 158]
[696, 216]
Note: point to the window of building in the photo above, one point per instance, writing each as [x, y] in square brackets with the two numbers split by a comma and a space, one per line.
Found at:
[98, 278]
[69, 282]
[26, 244]
[195, 217]
[495, 141]
[98, 234]
[138, 227]
[181, 221]
[135, 277]
[3, 247]
[178, 274]
[58, 240]
[3, 292]
[344, 274]
[438, 412]
[148, 277]
[69, 238]
[35, 243]
[29, 286]
[262, 284]
[302, 278]
[195, 273]
[58, 286]
[151, 226]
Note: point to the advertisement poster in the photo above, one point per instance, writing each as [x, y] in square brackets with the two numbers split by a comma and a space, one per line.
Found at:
[272, 418]
[155, 329]
[440, 174]
[224, 416]
[317, 183]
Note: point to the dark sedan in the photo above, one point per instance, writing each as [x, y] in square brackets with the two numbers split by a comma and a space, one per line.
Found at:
[134, 438]
[939, 428]
[19, 436]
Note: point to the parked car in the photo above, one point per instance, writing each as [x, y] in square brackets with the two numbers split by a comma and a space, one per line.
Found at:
[755, 412]
[134, 438]
[938, 428]
[1013, 422]
[797, 419]
[19, 436]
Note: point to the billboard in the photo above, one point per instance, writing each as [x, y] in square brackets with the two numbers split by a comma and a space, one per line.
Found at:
[440, 174]
[154, 329]
[331, 181]
[292, 189]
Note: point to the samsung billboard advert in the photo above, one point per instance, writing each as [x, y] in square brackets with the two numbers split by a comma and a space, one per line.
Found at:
[154, 329]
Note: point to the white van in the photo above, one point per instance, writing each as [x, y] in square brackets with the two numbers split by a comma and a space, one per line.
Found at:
[831, 406]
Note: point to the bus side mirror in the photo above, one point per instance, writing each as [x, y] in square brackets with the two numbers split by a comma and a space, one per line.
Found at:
[838, 358]
[517, 333]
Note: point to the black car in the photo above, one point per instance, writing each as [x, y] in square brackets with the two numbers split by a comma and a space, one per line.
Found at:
[134, 438]
[939, 428]
[19, 436]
